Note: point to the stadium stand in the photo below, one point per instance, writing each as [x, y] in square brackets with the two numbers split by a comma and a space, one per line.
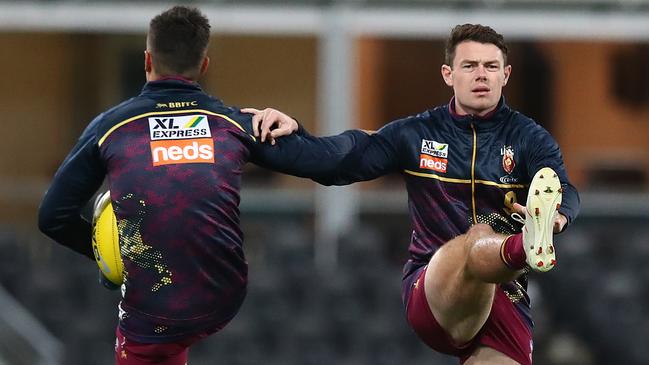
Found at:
[296, 314]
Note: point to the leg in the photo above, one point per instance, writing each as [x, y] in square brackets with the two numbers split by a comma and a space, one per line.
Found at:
[488, 356]
[460, 281]
[507, 329]
[129, 352]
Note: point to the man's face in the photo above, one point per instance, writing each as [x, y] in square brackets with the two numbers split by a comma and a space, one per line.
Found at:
[477, 77]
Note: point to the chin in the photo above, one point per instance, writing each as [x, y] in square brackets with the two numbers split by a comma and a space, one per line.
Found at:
[483, 105]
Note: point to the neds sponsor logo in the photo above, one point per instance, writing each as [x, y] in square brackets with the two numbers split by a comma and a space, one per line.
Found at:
[200, 150]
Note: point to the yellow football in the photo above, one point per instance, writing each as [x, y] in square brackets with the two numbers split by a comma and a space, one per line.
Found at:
[105, 240]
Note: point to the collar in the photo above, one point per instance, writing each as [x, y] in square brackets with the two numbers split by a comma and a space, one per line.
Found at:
[171, 82]
[495, 117]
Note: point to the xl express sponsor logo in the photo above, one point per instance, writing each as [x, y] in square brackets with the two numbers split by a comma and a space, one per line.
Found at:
[189, 126]
[185, 139]
[433, 156]
[434, 148]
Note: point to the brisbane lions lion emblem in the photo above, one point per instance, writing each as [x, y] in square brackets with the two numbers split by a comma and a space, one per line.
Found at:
[508, 159]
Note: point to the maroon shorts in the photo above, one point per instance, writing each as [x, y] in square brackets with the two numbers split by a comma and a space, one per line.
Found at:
[128, 352]
[505, 331]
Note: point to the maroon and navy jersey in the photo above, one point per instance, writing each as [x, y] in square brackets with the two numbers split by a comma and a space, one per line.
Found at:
[458, 170]
[172, 158]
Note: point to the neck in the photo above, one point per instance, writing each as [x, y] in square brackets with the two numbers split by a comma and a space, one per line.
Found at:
[462, 111]
[153, 76]
[456, 110]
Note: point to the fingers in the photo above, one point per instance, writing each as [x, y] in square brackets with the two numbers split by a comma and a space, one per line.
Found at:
[286, 127]
[559, 222]
[250, 110]
[520, 209]
[256, 118]
[279, 132]
[277, 124]
[271, 118]
[269, 124]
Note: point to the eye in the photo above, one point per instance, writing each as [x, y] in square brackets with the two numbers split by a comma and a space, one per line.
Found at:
[493, 67]
[467, 66]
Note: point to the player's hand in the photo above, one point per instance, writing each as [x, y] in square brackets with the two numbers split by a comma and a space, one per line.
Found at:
[560, 220]
[271, 123]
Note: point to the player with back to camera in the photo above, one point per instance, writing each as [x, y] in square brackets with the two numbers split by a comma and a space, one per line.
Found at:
[173, 158]
[466, 166]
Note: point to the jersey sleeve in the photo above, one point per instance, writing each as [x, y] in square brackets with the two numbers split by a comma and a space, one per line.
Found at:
[544, 151]
[341, 159]
[77, 179]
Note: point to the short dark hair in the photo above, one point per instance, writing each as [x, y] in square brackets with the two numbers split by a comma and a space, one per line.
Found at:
[473, 32]
[178, 40]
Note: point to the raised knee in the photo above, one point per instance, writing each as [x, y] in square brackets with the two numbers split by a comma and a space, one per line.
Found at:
[478, 231]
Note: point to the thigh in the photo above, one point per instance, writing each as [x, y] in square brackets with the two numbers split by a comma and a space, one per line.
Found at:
[505, 338]
[129, 352]
[423, 322]
[507, 333]
[460, 303]
[489, 356]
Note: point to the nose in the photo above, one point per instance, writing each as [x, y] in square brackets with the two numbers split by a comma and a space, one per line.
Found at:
[481, 72]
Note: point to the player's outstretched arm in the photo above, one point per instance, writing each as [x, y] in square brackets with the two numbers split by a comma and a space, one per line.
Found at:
[342, 159]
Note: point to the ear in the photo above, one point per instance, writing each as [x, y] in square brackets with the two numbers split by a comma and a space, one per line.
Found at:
[147, 61]
[204, 65]
[447, 74]
[508, 71]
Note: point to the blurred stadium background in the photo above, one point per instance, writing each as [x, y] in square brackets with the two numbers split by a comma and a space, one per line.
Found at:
[325, 263]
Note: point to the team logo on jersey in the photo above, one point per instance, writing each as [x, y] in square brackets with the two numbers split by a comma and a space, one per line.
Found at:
[508, 159]
[177, 104]
[434, 148]
[187, 126]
